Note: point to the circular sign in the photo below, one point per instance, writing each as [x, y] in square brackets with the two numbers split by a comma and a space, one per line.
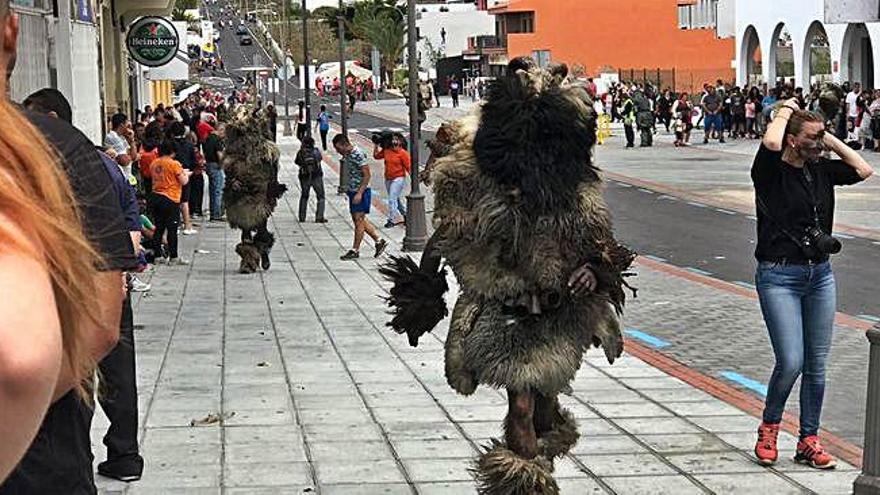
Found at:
[152, 41]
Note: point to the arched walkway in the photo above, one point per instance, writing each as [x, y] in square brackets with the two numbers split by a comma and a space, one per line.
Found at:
[780, 60]
[857, 56]
[751, 57]
[816, 55]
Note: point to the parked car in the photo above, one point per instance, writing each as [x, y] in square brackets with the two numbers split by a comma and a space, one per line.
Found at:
[245, 40]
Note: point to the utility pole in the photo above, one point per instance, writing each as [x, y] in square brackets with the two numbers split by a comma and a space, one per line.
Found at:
[340, 28]
[306, 75]
[416, 223]
[287, 130]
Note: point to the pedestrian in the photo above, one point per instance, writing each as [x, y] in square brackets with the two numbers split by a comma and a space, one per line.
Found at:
[644, 118]
[794, 188]
[359, 196]
[302, 124]
[185, 154]
[664, 106]
[213, 151]
[874, 110]
[170, 178]
[80, 299]
[323, 123]
[454, 89]
[397, 168]
[751, 113]
[852, 103]
[311, 176]
[628, 114]
[272, 118]
[737, 113]
[682, 110]
[712, 106]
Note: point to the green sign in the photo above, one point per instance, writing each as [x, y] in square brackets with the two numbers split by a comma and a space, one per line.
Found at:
[152, 41]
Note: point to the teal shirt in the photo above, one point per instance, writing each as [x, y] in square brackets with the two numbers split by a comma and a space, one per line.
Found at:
[354, 163]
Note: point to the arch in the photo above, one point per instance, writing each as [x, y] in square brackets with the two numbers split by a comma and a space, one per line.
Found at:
[782, 63]
[816, 61]
[772, 53]
[751, 57]
[857, 56]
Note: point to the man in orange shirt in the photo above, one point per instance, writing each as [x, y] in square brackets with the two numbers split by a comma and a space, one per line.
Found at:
[397, 167]
[169, 177]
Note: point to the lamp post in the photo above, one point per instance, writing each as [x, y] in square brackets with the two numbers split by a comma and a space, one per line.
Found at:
[340, 25]
[287, 129]
[306, 83]
[416, 224]
[868, 482]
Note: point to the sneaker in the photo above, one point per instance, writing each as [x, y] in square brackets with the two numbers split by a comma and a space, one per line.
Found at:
[765, 448]
[189, 231]
[721, 140]
[320, 220]
[389, 224]
[127, 469]
[380, 247]
[178, 261]
[811, 453]
[137, 285]
[706, 141]
[350, 255]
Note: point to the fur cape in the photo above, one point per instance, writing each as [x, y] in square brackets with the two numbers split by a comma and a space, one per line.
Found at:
[251, 165]
[519, 208]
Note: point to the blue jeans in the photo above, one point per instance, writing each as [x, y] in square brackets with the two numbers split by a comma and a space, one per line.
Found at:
[798, 303]
[395, 203]
[713, 121]
[216, 179]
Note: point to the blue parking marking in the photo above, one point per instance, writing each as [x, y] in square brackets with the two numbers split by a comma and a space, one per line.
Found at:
[654, 258]
[844, 236]
[744, 284]
[754, 386]
[647, 338]
[871, 318]
[698, 271]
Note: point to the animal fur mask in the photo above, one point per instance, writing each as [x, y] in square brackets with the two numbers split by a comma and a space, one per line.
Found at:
[535, 137]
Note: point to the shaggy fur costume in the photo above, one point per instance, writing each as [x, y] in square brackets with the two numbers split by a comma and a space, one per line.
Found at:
[518, 209]
[252, 189]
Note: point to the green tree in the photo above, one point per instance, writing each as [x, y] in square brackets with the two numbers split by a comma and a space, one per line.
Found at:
[177, 12]
[381, 23]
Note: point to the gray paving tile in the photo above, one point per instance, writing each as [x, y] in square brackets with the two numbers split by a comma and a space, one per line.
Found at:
[685, 442]
[241, 453]
[366, 489]
[737, 484]
[582, 486]
[432, 470]
[267, 474]
[433, 449]
[719, 462]
[450, 488]
[349, 450]
[180, 476]
[827, 482]
[644, 409]
[334, 472]
[653, 485]
[649, 426]
[624, 464]
[608, 444]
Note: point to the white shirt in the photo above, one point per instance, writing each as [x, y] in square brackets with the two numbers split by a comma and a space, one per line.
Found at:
[117, 142]
[852, 109]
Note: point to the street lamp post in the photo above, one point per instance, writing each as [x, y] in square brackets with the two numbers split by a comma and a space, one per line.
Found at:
[306, 83]
[416, 224]
[868, 482]
[287, 129]
[340, 25]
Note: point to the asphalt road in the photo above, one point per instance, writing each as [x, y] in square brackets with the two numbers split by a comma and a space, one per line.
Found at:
[713, 242]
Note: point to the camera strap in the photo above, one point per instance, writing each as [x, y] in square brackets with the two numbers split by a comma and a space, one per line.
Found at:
[766, 211]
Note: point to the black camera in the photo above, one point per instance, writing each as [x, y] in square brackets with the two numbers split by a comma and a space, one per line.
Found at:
[824, 243]
[382, 138]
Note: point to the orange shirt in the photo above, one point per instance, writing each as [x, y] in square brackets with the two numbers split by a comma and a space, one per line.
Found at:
[165, 171]
[397, 162]
[147, 158]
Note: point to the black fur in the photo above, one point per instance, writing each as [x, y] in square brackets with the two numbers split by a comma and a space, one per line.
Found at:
[538, 143]
[416, 298]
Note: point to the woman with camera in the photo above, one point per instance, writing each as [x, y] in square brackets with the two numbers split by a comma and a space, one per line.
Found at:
[794, 189]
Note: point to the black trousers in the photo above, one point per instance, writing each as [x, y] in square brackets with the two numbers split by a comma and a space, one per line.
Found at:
[630, 135]
[167, 219]
[261, 232]
[324, 139]
[118, 392]
[196, 193]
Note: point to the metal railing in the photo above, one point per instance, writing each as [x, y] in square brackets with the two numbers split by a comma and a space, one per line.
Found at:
[868, 483]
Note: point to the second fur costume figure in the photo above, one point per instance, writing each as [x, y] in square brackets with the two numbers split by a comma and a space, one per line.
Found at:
[520, 219]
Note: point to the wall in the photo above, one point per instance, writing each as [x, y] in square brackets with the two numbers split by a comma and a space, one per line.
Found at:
[460, 23]
[633, 34]
[32, 64]
[86, 101]
[851, 11]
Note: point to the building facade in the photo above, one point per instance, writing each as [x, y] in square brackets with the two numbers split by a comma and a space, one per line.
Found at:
[633, 37]
[823, 40]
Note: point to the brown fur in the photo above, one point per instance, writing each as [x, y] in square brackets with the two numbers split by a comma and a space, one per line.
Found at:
[250, 257]
[558, 441]
[499, 471]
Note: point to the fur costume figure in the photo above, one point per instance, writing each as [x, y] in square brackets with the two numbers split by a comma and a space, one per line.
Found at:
[252, 189]
[520, 219]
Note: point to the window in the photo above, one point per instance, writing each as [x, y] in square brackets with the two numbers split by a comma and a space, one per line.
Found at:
[521, 22]
[701, 15]
[542, 58]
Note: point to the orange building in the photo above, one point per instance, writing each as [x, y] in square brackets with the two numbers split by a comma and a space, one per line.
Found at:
[640, 39]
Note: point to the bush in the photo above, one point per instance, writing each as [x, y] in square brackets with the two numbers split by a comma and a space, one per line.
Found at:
[400, 78]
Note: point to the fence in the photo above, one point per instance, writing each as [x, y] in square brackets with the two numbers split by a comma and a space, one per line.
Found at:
[677, 79]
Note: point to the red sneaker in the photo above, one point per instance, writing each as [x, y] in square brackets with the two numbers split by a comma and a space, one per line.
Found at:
[811, 453]
[765, 448]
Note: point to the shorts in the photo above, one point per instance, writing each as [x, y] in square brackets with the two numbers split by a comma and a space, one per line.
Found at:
[363, 206]
[184, 194]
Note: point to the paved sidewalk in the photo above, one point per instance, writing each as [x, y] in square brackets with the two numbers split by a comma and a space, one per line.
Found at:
[320, 397]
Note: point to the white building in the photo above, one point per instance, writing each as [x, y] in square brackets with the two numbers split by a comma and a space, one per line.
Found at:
[457, 21]
[851, 28]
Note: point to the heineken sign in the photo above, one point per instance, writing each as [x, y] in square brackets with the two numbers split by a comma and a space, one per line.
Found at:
[152, 41]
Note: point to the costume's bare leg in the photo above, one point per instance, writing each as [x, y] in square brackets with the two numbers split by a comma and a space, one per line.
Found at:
[519, 427]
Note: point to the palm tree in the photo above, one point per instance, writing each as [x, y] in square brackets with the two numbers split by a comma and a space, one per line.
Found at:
[381, 23]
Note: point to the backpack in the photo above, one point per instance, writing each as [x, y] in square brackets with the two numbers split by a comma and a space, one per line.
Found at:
[308, 162]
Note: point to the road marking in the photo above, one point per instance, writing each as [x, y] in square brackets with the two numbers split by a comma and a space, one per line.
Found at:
[754, 386]
[875, 319]
[668, 197]
[876, 243]
[655, 258]
[623, 184]
[698, 271]
[726, 212]
[698, 205]
[844, 236]
[752, 218]
[647, 338]
[646, 190]
[745, 285]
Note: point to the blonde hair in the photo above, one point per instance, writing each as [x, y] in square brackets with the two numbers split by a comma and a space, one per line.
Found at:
[36, 197]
